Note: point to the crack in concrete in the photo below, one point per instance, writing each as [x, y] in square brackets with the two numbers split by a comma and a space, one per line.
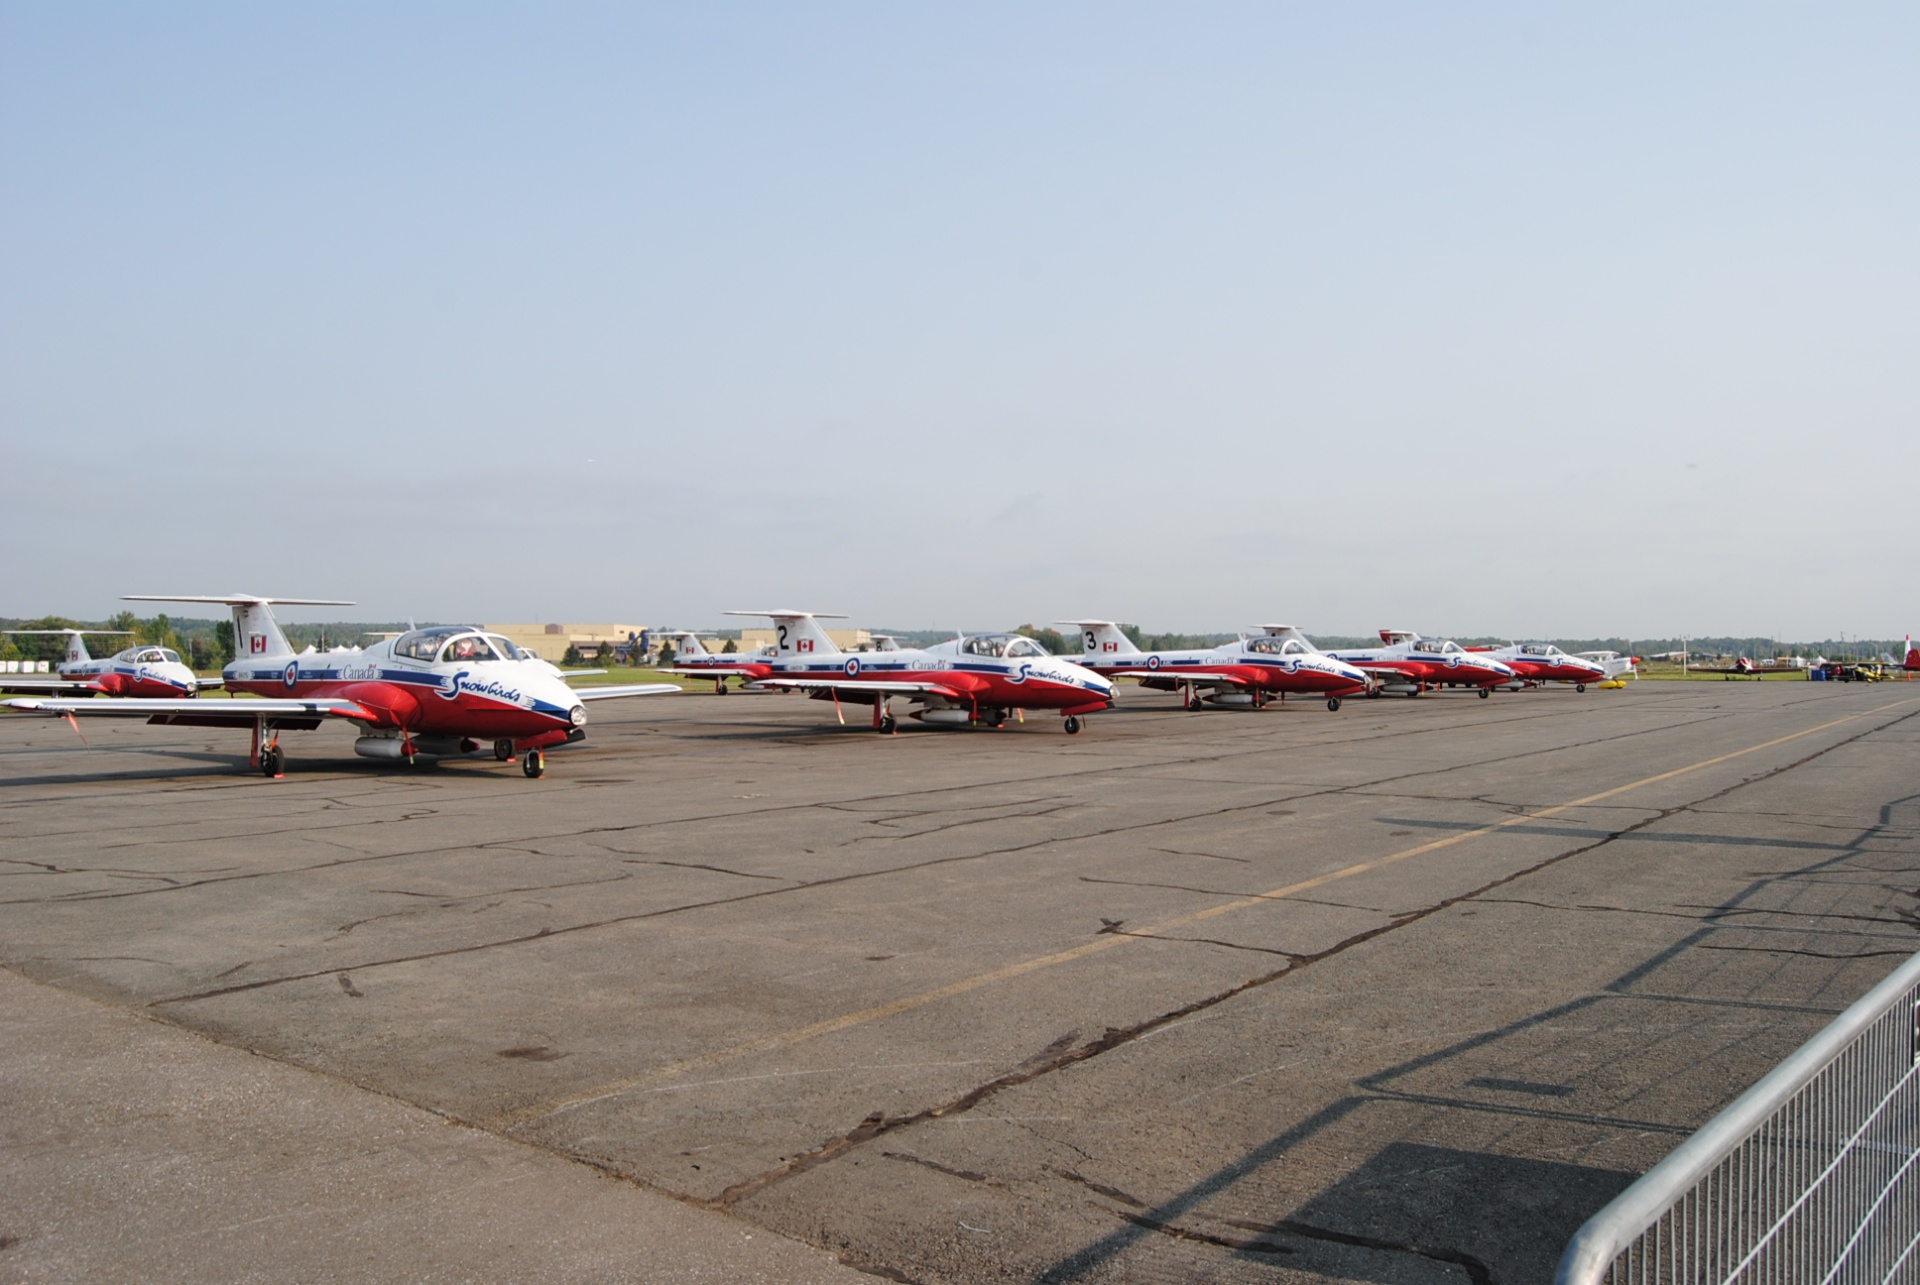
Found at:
[878, 1124]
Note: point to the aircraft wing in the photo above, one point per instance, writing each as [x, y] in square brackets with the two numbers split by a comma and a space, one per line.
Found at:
[890, 687]
[1384, 672]
[1212, 676]
[47, 686]
[612, 692]
[713, 671]
[198, 713]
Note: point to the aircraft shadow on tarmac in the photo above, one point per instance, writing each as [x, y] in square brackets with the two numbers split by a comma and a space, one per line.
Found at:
[1499, 1218]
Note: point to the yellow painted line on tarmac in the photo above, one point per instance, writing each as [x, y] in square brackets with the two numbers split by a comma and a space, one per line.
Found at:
[907, 1003]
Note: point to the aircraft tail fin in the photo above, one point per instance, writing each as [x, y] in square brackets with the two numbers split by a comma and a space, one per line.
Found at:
[798, 633]
[1913, 655]
[687, 644]
[1102, 638]
[255, 632]
[77, 653]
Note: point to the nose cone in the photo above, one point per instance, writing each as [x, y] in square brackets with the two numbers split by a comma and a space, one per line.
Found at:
[1081, 676]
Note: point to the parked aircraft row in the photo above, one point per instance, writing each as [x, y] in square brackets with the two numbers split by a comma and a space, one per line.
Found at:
[451, 690]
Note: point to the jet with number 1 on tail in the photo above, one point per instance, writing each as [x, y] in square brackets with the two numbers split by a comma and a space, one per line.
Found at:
[435, 693]
[976, 678]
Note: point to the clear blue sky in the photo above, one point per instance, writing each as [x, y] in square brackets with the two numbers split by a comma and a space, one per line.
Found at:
[1548, 321]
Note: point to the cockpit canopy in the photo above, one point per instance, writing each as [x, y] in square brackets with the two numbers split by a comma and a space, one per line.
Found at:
[1443, 647]
[1540, 649]
[1001, 646]
[156, 656]
[1271, 646]
[453, 643]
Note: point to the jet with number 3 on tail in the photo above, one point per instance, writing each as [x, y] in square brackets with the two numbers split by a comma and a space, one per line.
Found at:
[1243, 673]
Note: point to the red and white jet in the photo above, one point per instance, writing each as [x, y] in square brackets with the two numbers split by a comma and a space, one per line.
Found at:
[143, 670]
[691, 659]
[977, 678]
[1412, 664]
[1545, 663]
[1235, 673]
[436, 692]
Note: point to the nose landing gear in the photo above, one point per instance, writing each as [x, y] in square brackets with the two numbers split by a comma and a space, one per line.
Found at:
[1072, 724]
[533, 763]
[1333, 704]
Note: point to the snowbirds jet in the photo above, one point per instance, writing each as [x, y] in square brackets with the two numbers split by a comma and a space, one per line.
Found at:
[976, 678]
[1545, 663]
[142, 670]
[691, 659]
[437, 692]
[1412, 664]
[1235, 673]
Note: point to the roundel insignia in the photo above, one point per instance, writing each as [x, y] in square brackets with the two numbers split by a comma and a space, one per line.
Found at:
[1153, 662]
[292, 676]
[853, 666]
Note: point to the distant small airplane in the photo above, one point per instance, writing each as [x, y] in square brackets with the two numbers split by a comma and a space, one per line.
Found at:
[1742, 667]
[142, 670]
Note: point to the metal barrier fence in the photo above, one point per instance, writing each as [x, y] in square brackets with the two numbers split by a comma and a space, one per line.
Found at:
[1810, 1177]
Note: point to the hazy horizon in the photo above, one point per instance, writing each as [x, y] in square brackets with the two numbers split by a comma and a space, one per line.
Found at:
[1484, 320]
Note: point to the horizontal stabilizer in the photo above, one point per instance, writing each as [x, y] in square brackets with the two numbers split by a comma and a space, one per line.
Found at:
[237, 713]
[612, 692]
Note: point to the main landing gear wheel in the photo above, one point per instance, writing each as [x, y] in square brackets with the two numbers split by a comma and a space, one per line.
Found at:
[1072, 725]
[994, 717]
[1485, 692]
[534, 763]
[886, 725]
[273, 761]
[1333, 704]
[503, 750]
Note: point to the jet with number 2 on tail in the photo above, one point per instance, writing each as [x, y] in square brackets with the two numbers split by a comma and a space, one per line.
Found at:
[434, 693]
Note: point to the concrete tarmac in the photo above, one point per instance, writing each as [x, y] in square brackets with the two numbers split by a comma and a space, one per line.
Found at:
[1401, 993]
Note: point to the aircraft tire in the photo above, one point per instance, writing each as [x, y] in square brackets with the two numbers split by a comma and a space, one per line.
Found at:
[995, 717]
[1333, 704]
[1072, 724]
[1485, 692]
[503, 750]
[887, 724]
[273, 761]
[534, 764]
[1579, 687]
